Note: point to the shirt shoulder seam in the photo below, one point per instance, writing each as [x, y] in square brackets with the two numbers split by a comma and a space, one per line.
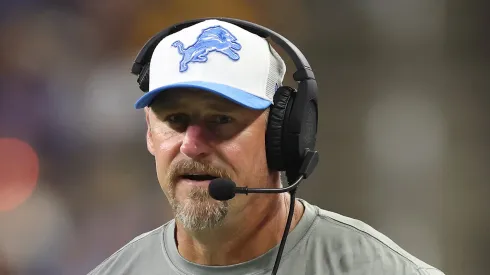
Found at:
[366, 234]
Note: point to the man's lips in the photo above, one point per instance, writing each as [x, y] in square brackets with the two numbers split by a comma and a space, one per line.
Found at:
[197, 179]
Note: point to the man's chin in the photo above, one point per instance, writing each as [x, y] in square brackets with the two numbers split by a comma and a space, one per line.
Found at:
[197, 213]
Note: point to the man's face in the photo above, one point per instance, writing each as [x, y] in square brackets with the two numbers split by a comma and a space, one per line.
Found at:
[196, 136]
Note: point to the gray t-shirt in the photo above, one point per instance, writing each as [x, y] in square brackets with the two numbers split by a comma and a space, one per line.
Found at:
[322, 242]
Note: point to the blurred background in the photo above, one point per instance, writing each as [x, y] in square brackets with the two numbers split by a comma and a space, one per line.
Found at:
[404, 132]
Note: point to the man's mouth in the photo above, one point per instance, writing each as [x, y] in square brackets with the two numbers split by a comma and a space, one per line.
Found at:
[198, 177]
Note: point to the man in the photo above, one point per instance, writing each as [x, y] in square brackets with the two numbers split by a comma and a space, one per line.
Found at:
[207, 113]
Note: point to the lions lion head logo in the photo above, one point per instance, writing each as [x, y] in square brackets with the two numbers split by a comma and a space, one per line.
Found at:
[212, 39]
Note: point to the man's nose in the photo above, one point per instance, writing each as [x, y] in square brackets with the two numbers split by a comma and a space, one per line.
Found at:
[196, 142]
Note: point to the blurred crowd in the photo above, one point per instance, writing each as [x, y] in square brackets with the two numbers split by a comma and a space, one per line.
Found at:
[404, 128]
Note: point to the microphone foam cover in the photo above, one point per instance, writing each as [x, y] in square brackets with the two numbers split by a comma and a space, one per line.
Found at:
[222, 189]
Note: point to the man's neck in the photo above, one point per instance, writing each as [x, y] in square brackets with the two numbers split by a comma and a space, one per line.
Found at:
[243, 241]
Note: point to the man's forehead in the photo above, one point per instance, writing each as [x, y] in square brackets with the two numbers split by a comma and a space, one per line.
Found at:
[182, 97]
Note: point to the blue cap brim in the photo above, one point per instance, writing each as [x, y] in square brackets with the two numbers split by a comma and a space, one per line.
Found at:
[236, 95]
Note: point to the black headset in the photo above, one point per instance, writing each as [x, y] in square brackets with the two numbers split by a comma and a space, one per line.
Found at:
[293, 117]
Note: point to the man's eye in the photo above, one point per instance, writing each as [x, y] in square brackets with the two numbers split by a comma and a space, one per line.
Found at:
[177, 119]
[222, 119]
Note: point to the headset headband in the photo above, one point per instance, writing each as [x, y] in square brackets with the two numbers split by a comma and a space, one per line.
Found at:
[303, 69]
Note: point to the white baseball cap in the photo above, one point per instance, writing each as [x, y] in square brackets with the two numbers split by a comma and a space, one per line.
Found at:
[218, 57]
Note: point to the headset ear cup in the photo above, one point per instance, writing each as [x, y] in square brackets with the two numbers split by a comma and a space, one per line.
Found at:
[278, 114]
[297, 144]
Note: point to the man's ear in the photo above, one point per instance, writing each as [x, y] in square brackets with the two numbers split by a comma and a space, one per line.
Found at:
[149, 136]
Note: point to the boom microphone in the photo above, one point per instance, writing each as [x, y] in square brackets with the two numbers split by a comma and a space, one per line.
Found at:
[223, 189]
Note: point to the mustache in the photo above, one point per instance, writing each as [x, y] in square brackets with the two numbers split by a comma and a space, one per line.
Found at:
[183, 167]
